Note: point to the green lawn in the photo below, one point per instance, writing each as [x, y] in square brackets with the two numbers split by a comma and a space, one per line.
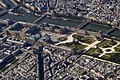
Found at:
[115, 58]
[117, 49]
[77, 46]
[103, 43]
[62, 38]
[107, 56]
[78, 37]
[107, 43]
[118, 46]
[88, 40]
[93, 52]
[112, 42]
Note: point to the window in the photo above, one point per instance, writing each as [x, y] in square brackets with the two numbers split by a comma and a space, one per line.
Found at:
[8, 33]
[17, 34]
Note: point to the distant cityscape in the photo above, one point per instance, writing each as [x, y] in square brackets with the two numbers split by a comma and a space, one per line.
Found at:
[59, 40]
